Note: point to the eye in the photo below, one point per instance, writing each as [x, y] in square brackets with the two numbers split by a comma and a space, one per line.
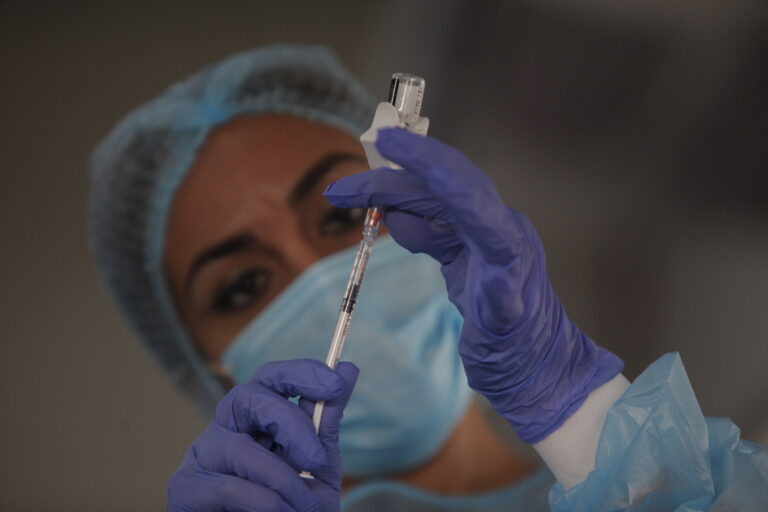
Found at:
[244, 291]
[341, 220]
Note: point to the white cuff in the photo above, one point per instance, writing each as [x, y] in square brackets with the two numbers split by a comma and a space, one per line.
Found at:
[569, 451]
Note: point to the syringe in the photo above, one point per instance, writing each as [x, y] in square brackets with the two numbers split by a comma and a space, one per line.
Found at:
[405, 94]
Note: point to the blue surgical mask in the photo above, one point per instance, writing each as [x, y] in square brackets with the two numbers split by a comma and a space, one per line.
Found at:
[412, 390]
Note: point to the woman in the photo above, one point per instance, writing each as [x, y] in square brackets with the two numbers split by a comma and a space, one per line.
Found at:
[211, 220]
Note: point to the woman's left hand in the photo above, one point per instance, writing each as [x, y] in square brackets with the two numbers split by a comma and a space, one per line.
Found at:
[518, 347]
[250, 455]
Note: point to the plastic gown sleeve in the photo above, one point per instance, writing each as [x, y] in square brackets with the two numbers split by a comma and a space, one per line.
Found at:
[658, 452]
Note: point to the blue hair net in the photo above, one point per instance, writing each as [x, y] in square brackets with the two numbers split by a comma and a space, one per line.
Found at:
[137, 168]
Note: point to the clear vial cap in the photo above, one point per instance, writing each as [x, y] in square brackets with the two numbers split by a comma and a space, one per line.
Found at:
[405, 93]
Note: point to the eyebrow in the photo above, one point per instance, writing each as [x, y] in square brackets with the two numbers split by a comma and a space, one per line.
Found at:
[226, 247]
[317, 171]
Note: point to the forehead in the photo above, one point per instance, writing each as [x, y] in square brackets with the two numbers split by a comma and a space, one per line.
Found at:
[256, 157]
[270, 149]
[245, 170]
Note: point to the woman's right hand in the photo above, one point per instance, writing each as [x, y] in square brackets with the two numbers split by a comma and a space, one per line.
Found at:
[250, 455]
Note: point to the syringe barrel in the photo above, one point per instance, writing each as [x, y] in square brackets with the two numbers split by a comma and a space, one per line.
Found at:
[405, 94]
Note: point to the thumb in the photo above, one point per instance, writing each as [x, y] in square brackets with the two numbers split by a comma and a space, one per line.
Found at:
[334, 409]
[331, 421]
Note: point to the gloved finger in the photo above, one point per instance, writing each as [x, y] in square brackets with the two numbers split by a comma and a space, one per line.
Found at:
[212, 492]
[416, 219]
[253, 409]
[386, 187]
[330, 423]
[307, 378]
[467, 193]
[433, 237]
[421, 155]
[333, 409]
[239, 455]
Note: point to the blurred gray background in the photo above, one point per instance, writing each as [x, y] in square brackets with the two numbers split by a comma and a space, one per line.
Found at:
[632, 133]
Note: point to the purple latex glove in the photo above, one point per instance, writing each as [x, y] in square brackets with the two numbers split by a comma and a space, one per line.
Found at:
[250, 455]
[519, 348]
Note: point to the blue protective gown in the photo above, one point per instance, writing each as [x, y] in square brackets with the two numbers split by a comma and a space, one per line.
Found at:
[657, 452]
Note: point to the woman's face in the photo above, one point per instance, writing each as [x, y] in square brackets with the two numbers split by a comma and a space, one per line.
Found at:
[250, 217]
